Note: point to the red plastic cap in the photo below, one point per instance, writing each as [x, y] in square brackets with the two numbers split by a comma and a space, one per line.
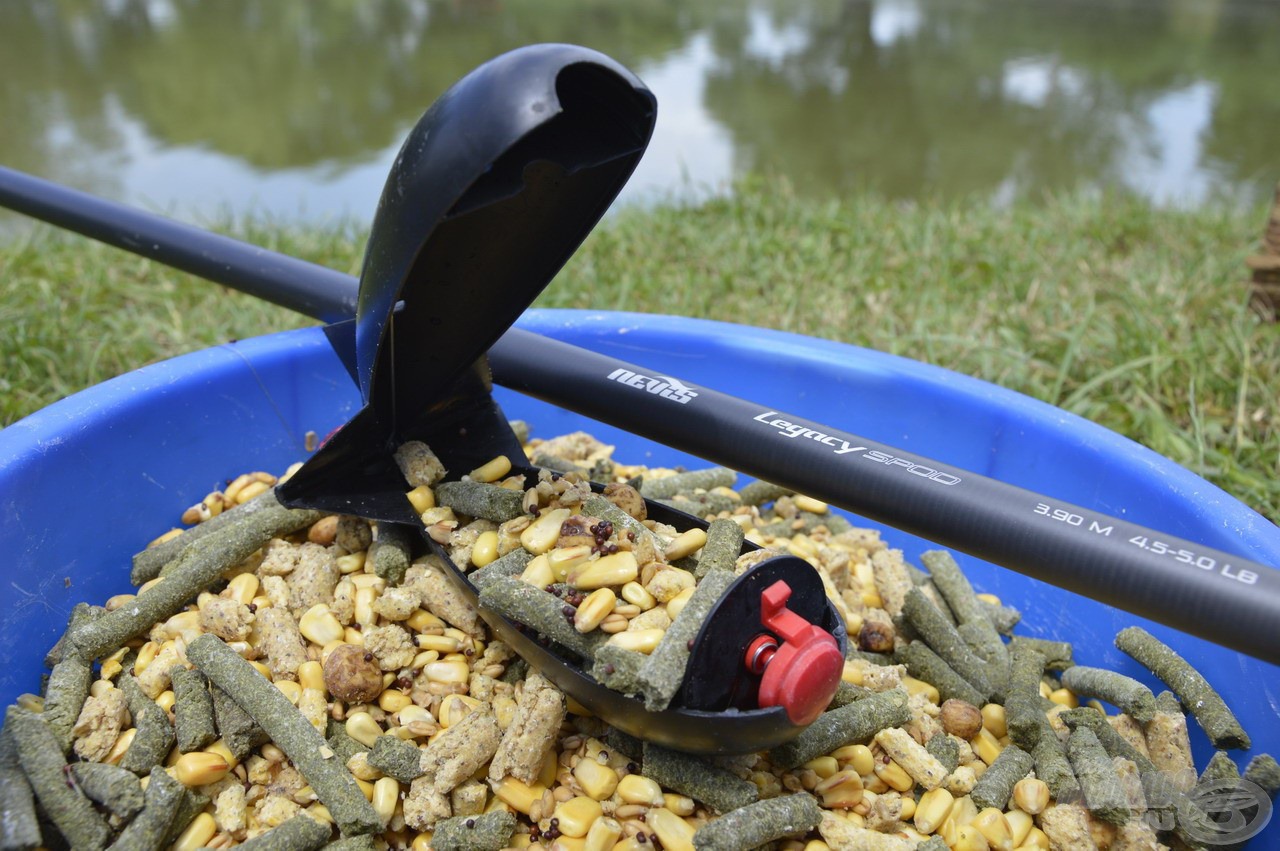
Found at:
[802, 676]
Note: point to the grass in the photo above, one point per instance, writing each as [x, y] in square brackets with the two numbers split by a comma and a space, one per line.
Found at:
[1131, 316]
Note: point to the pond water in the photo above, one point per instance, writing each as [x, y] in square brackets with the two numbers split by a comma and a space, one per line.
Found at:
[296, 109]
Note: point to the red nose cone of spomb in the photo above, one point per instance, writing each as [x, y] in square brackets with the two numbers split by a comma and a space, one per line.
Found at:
[802, 676]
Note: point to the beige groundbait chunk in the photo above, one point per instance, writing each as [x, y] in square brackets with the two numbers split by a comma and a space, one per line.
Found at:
[891, 579]
[843, 835]
[923, 767]
[228, 619]
[1067, 826]
[419, 464]
[313, 579]
[281, 641]
[461, 750]
[540, 710]
[439, 596]
[1169, 744]
[101, 719]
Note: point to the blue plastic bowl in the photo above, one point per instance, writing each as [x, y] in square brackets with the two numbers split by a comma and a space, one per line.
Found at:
[88, 481]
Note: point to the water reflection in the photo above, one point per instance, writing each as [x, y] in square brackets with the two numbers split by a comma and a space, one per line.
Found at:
[297, 108]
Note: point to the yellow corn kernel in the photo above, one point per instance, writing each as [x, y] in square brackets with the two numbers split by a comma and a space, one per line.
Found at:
[989, 598]
[636, 789]
[594, 609]
[841, 791]
[111, 665]
[290, 689]
[1020, 825]
[262, 669]
[616, 569]
[251, 490]
[368, 579]
[455, 707]
[423, 621]
[674, 833]
[685, 544]
[538, 573]
[320, 813]
[146, 654]
[908, 808]
[993, 719]
[872, 600]
[386, 792]
[422, 842]
[639, 640]
[393, 700]
[809, 504]
[311, 675]
[823, 766]
[453, 672]
[351, 563]
[200, 768]
[485, 549]
[969, 838]
[421, 498]
[681, 805]
[361, 727]
[1037, 839]
[366, 788]
[1045, 691]
[219, 748]
[364, 605]
[603, 835]
[504, 710]
[1065, 697]
[932, 810]
[858, 757]
[166, 537]
[993, 826]
[548, 770]
[1031, 795]
[166, 700]
[816, 845]
[597, 781]
[100, 687]
[986, 746]
[197, 834]
[677, 603]
[914, 686]
[577, 814]
[636, 594]
[122, 744]
[542, 534]
[443, 644]
[351, 635]
[118, 600]
[895, 776]
[319, 625]
[491, 470]
[802, 546]
[517, 795]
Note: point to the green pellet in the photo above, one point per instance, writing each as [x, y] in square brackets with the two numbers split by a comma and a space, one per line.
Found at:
[1024, 717]
[681, 483]
[300, 833]
[723, 546]
[488, 832]
[342, 745]
[881, 659]
[1111, 741]
[148, 563]
[1096, 773]
[619, 669]
[480, 500]
[111, 786]
[996, 783]
[1264, 772]
[64, 696]
[1125, 693]
[847, 693]
[1003, 618]
[923, 664]
[239, 732]
[41, 757]
[81, 613]
[396, 758]
[154, 739]
[943, 640]
[759, 492]
[192, 709]
[1057, 654]
[540, 610]
[597, 506]
[701, 504]
[511, 565]
[150, 827]
[19, 824]
[945, 750]
[189, 806]
[1053, 767]
[624, 743]
[354, 843]
[1221, 768]
[1206, 705]
[200, 565]
[392, 552]
[986, 644]
[290, 732]
[662, 673]
[848, 725]
[520, 429]
[934, 843]
[954, 587]
[756, 824]
[701, 780]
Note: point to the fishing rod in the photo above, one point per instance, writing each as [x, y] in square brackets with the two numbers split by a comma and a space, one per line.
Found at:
[1203, 591]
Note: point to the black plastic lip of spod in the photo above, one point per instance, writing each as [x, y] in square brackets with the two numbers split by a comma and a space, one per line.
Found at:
[492, 192]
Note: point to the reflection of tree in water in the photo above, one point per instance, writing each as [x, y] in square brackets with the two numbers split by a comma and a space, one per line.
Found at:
[930, 111]
[276, 85]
